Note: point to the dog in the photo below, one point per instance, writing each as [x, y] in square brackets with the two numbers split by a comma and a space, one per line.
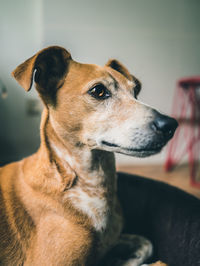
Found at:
[59, 206]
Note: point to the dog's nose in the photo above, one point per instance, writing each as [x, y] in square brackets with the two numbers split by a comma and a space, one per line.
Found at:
[164, 124]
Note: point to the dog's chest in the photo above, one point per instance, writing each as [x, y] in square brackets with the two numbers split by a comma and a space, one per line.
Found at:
[102, 207]
[92, 204]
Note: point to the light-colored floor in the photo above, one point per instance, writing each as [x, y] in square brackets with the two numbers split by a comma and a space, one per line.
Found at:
[179, 177]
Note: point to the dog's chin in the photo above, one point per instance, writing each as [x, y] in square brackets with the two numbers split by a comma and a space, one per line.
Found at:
[139, 154]
[131, 151]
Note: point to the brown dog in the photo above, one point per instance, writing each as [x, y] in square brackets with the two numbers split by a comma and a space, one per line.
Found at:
[59, 206]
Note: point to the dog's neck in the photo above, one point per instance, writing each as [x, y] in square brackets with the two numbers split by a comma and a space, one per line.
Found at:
[91, 167]
[87, 177]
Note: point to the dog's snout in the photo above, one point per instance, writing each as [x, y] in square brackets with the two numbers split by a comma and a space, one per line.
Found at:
[164, 124]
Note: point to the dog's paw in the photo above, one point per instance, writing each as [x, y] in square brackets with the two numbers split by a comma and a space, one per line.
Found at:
[141, 248]
[158, 263]
[130, 250]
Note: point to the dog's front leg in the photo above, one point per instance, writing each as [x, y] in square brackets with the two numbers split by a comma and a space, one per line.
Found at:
[131, 250]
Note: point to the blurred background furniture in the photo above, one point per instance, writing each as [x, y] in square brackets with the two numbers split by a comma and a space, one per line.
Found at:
[166, 215]
[186, 109]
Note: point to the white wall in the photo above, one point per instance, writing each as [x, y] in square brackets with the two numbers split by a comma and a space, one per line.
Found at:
[20, 37]
[158, 40]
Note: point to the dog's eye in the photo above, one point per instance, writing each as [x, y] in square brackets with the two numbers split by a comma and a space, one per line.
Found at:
[99, 92]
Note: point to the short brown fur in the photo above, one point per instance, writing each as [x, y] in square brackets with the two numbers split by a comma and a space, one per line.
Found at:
[59, 206]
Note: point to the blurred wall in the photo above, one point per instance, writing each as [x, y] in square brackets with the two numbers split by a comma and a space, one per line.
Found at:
[20, 36]
[157, 40]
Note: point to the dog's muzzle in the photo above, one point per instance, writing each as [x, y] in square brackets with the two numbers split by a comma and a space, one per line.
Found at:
[164, 125]
[158, 132]
[147, 140]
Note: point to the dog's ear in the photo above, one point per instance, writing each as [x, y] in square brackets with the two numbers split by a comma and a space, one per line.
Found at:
[116, 65]
[138, 86]
[48, 68]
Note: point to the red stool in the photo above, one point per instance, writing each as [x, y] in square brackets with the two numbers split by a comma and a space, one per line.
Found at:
[186, 141]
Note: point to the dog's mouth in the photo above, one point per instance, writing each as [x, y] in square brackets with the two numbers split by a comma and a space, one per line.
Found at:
[141, 152]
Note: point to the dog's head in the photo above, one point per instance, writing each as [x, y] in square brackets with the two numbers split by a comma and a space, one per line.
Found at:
[95, 106]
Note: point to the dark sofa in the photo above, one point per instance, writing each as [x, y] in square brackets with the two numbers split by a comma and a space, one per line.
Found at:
[166, 215]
